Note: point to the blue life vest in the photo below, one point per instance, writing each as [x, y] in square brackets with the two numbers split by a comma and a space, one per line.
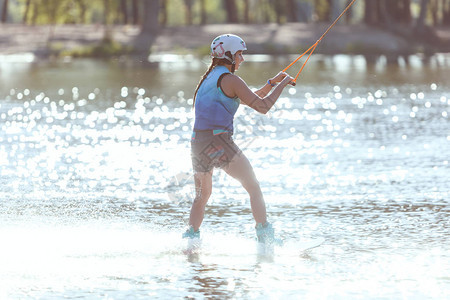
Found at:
[214, 110]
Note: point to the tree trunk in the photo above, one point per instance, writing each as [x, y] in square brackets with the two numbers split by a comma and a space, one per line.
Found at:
[107, 35]
[279, 10]
[203, 12]
[387, 12]
[265, 7]
[291, 9]
[83, 9]
[4, 17]
[407, 18]
[105, 12]
[383, 13]
[393, 8]
[135, 12]
[445, 7]
[35, 14]
[25, 14]
[163, 13]
[329, 13]
[446, 12]
[370, 12]
[322, 10]
[420, 26]
[231, 9]
[150, 28]
[434, 7]
[349, 14]
[188, 11]
[124, 11]
[151, 11]
[335, 9]
[399, 11]
[246, 11]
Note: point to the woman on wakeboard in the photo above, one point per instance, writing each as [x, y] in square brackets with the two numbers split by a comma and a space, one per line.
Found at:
[216, 100]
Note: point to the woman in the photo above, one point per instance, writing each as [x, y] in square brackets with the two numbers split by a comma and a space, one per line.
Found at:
[216, 100]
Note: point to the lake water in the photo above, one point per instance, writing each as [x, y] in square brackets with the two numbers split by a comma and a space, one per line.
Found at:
[96, 183]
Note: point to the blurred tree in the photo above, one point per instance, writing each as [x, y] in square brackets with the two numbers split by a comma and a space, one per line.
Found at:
[420, 26]
[135, 12]
[149, 29]
[83, 8]
[52, 8]
[446, 12]
[279, 8]
[150, 23]
[4, 17]
[396, 16]
[322, 10]
[25, 14]
[305, 11]
[291, 10]
[334, 9]
[164, 17]
[390, 14]
[349, 14]
[188, 11]
[123, 11]
[265, 8]
[384, 17]
[387, 13]
[35, 14]
[246, 11]
[399, 11]
[107, 34]
[231, 9]
[434, 8]
[203, 12]
[378, 12]
[406, 8]
[371, 12]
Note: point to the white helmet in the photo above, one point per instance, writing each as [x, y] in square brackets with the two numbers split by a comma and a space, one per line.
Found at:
[227, 42]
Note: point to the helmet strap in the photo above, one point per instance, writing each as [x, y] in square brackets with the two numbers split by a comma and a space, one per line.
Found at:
[230, 59]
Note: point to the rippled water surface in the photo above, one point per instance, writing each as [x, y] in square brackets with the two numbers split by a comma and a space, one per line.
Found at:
[96, 183]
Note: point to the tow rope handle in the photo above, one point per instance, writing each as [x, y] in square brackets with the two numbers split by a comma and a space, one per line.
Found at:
[313, 47]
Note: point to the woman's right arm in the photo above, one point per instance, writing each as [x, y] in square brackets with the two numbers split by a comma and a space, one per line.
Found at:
[234, 86]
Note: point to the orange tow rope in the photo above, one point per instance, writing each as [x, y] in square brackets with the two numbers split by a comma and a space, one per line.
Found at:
[313, 47]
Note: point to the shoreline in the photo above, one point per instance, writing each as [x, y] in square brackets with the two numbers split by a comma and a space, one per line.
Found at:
[273, 39]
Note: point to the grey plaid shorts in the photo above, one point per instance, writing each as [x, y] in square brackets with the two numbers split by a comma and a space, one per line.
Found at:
[212, 149]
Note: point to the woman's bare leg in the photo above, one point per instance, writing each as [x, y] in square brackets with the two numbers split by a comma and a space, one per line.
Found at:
[203, 188]
[241, 169]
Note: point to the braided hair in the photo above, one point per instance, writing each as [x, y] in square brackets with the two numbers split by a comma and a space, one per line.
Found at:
[215, 62]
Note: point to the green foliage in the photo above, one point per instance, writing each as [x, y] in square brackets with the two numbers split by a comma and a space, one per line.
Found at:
[322, 10]
[177, 12]
[42, 12]
[202, 51]
[104, 49]
[361, 48]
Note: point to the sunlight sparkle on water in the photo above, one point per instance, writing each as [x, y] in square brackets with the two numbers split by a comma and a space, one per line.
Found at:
[97, 190]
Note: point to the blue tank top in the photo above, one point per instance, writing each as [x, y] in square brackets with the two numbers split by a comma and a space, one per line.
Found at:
[214, 110]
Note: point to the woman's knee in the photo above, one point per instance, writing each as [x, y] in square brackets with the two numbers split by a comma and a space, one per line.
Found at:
[203, 185]
[251, 184]
[202, 196]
